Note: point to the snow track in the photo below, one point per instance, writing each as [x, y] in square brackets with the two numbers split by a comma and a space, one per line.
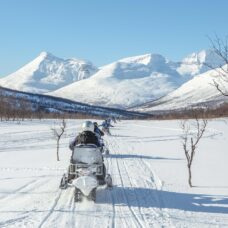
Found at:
[135, 174]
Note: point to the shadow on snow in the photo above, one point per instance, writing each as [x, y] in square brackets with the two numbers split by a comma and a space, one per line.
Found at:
[139, 156]
[146, 198]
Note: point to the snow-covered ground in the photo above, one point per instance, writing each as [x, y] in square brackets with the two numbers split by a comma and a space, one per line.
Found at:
[148, 169]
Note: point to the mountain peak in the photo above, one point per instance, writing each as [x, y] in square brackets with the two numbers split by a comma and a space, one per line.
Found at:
[196, 63]
[46, 73]
[44, 53]
[47, 55]
[201, 56]
[144, 59]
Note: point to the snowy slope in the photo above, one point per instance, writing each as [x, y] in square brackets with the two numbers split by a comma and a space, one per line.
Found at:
[149, 172]
[197, 63]
[125, 83]
[198, 90]
[47, 73]
[38, 102]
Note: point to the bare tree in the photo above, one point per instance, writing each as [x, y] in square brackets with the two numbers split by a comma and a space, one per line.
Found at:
[58, 132]
[192, 133]
[220, 48]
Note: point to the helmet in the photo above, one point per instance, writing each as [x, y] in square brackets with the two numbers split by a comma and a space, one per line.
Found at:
[95, 124]
[88, 126]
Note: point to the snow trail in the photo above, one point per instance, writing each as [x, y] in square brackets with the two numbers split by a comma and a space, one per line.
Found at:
[144, 206]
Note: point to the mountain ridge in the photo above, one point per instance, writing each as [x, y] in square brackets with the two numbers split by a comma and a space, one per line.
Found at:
[124, 83]
[200, 91]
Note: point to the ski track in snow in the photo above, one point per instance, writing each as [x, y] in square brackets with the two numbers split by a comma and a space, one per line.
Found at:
[126, 197]
[149, 217]
[133, 201]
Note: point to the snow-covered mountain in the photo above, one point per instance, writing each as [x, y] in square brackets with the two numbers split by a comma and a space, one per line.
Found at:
[198, 91]
[197, 63]
[47, 73]
[125, 83]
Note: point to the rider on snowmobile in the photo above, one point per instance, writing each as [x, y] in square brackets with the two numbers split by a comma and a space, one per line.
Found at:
[99, 133]
[97, 130]
[87, 136]
[107, 123]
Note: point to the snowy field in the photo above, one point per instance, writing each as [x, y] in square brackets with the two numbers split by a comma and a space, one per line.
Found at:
[148, 168]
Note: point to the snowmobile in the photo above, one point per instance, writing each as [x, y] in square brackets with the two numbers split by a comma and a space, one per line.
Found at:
[104, 149]
[86, 172]
[106, 126]
[106, 130]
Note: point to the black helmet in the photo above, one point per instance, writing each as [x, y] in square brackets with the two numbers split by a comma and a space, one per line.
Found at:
[95, 124]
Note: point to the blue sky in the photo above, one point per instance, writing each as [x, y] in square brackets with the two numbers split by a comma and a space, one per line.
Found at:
[103, 31]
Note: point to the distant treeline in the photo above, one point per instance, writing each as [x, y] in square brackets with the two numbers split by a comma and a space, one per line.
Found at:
[208, 113]
[12, 108]
[17, 108]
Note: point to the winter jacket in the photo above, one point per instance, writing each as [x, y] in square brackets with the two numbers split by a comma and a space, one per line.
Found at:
[98, 131]
[106, 124]
[86, 137]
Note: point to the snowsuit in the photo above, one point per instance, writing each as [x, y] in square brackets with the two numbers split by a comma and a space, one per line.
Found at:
[98, 131]
[86, 137]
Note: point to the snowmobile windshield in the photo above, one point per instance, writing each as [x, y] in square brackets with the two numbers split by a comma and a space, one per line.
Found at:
[87, 155]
